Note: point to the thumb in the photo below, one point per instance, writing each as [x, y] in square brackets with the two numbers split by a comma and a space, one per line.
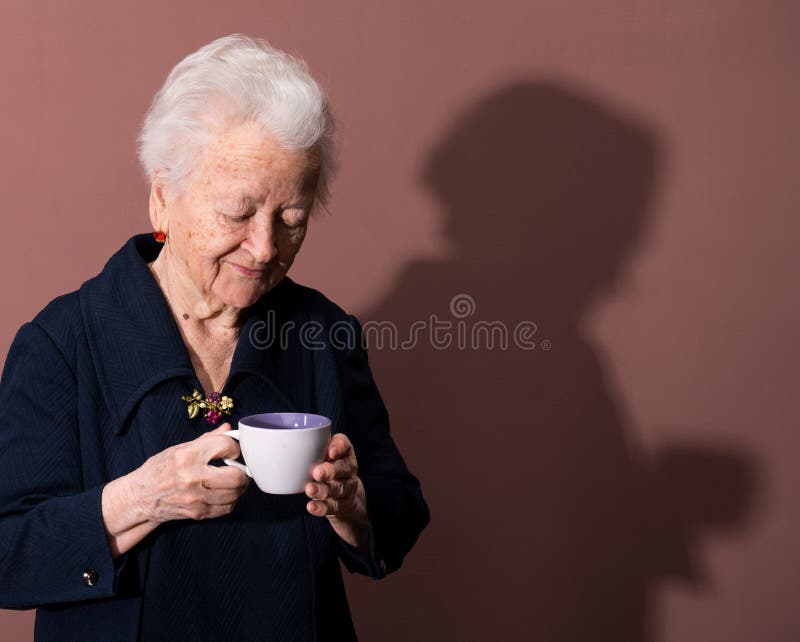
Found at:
[218, 448]
[216, 431]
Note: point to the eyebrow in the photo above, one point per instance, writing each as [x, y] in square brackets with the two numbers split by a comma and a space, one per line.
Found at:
[240, 203]
[243, 202]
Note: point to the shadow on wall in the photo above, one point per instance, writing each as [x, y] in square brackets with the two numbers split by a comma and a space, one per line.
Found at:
[548, 523]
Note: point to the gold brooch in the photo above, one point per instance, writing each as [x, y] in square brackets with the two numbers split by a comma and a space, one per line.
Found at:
[213, 406]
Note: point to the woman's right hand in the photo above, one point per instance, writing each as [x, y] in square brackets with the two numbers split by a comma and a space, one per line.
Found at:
[179, 483]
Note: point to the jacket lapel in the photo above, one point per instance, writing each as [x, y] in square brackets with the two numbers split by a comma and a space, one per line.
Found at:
[135, 342]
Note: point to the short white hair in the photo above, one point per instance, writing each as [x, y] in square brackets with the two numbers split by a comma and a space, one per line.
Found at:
[235, 79]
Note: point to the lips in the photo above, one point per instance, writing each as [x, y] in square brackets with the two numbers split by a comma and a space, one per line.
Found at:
[253, 274]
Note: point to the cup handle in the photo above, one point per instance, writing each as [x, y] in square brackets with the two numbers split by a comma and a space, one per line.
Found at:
[232, 462]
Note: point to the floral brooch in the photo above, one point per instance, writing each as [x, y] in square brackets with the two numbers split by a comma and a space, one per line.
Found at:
[213, 406]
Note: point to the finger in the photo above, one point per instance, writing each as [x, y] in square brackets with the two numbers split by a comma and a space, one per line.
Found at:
[218, 510]
[334, 469]
[224, 477]
[222, 428]
[222, 510]
[344, 468]
[221, 498]
[322, 472]
[219, 446]
[323, 490]
[339, 446]
[323, 507]
[333, 489]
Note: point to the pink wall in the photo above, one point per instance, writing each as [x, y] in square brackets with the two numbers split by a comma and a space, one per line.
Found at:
[617, 172]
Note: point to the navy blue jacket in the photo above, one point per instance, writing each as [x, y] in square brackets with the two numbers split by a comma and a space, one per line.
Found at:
[92, 387]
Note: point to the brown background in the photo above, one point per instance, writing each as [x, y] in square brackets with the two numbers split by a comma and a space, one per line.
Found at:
[617, 172]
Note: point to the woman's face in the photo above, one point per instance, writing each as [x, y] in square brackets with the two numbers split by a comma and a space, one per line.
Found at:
[241, 216]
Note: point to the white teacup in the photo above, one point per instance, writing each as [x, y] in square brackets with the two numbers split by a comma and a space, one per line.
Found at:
[280, 449]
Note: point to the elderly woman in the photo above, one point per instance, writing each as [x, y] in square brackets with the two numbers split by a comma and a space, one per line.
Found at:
[118, 519]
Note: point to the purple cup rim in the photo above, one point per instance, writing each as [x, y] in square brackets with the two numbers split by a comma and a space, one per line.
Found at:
[324, 422]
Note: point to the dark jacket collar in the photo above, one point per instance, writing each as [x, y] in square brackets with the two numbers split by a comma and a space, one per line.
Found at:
[134, 340]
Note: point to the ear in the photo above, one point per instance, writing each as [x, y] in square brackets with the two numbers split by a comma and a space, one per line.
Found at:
[158, 204]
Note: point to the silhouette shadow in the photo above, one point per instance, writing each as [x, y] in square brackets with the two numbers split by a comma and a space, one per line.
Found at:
[548, 523]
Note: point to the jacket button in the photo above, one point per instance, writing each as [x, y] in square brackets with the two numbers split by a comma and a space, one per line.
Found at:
[90, 577]
[383, 566]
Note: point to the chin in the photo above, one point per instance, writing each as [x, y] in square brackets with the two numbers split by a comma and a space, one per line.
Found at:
[246, 296]
[242, 292]
[243, 299]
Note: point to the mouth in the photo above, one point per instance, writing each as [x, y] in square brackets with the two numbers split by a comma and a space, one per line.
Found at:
[248, 272]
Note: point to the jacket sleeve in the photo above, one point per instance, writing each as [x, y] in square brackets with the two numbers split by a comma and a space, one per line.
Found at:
[53, 544]
[396, 508]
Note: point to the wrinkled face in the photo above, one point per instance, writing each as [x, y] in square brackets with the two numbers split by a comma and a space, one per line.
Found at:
[241, 216]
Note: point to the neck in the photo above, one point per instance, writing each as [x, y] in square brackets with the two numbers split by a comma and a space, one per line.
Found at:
[195, 310]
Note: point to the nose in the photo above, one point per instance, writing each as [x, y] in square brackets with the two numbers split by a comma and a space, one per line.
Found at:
[262, 242]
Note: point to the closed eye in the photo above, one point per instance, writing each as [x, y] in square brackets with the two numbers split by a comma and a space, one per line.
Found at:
[293, 218]
[235, 218]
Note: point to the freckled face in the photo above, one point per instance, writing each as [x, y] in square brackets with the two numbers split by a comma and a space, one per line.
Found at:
[242, 215]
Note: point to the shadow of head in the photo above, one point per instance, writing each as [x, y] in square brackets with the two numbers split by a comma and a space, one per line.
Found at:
[541, 174]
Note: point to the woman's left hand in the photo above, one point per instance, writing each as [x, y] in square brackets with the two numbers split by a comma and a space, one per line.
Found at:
[338, 493]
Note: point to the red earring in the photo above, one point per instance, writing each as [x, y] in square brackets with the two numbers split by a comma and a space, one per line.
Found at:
[160, 236]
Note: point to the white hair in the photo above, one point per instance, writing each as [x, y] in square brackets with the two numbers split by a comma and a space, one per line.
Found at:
[235, 79]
